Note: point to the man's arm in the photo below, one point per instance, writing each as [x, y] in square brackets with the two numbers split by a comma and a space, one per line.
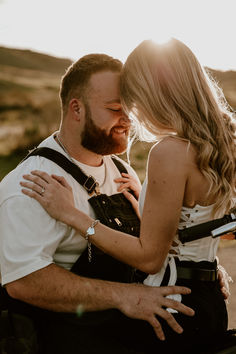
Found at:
[57, 289]
[29, 237]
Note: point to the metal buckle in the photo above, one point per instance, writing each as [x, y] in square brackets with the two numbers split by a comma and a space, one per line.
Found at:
[90, 184]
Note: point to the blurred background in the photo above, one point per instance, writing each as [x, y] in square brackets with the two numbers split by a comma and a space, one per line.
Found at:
[40, 39]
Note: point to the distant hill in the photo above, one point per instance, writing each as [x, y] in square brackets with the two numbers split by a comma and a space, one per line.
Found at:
[227, 81]
[27, 59]
[29, 102]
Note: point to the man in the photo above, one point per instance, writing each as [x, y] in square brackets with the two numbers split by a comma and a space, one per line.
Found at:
[37, 252]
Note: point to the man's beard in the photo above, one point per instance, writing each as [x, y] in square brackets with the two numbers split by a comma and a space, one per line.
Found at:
[97, 140]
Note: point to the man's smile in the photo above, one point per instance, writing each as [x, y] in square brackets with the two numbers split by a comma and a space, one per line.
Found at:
[120, 130]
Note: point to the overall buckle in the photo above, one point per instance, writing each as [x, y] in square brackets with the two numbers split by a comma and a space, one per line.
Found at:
[91, 185]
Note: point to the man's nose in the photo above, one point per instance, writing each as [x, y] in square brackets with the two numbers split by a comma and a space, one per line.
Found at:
[125, 119]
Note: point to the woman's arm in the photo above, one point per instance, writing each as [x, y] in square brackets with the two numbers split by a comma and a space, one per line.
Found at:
[167, 176]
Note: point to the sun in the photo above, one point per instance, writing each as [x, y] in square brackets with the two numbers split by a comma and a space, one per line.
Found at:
[162, 38]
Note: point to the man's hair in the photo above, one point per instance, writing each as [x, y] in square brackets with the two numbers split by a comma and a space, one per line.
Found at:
[75, 81]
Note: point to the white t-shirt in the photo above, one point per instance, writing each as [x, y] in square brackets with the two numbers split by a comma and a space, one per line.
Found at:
[29, 238]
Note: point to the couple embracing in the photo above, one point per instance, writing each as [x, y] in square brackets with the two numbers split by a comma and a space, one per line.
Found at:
[77, 233]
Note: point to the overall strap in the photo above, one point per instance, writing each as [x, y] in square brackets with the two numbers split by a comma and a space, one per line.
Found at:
[119, 165]
[87, 182]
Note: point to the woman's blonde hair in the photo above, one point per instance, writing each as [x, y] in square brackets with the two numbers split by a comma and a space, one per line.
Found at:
[164, 86]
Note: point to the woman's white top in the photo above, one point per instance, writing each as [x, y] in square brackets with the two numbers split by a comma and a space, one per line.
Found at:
[203, 249]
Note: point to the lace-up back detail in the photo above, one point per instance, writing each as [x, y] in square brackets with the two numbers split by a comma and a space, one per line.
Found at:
[198, 250]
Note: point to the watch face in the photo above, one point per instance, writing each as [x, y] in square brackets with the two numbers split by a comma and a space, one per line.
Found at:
[90, 231]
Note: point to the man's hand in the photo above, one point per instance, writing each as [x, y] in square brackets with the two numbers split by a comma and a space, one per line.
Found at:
[145, 302]
[56, 289]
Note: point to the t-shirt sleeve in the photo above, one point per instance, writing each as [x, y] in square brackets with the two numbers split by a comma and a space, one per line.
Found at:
[28, 237]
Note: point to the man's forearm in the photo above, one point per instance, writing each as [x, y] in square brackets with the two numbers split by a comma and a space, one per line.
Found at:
[57, 289]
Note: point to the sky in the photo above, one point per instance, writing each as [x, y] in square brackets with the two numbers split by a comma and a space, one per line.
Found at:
[73, 28]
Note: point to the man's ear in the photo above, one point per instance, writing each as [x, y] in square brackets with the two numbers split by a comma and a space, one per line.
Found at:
[75, 107]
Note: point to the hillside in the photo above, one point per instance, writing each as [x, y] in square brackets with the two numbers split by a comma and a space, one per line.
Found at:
[29, 103]
[30, 108]
[227, 81]
[27, 59]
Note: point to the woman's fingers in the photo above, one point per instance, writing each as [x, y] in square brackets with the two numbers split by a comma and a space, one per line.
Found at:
[125, 178]
[229, 236]
[62, 181]
[33, 194]
[128, 182]
[33, 187]
[39, 181]
[42, 175]
[133, 202]
[124, 186]
[49, 191]
[130, 197]
[224, 280]
[125, 183]
[35, 183]
[126, 175]
[121, 180]
[225, 292]
[35, 179]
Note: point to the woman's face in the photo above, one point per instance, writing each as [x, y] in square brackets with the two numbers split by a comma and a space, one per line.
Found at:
[142, 116]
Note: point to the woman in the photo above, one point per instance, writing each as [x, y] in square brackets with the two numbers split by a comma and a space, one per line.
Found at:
[190, 180]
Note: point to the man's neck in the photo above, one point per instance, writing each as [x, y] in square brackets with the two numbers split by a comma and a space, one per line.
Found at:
[78, 152]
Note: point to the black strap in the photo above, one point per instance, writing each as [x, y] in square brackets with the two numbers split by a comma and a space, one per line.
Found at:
[119, 165]
[88, 182]
[197, 274]
[204, 229]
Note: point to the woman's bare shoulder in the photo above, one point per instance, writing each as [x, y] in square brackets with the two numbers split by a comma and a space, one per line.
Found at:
[168, 169]
[172, 148]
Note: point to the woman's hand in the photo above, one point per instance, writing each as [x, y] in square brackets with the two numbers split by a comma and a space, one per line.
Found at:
[224, 279]
[52, 192]
[128, 182]
[229, 236]
[133, 201]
